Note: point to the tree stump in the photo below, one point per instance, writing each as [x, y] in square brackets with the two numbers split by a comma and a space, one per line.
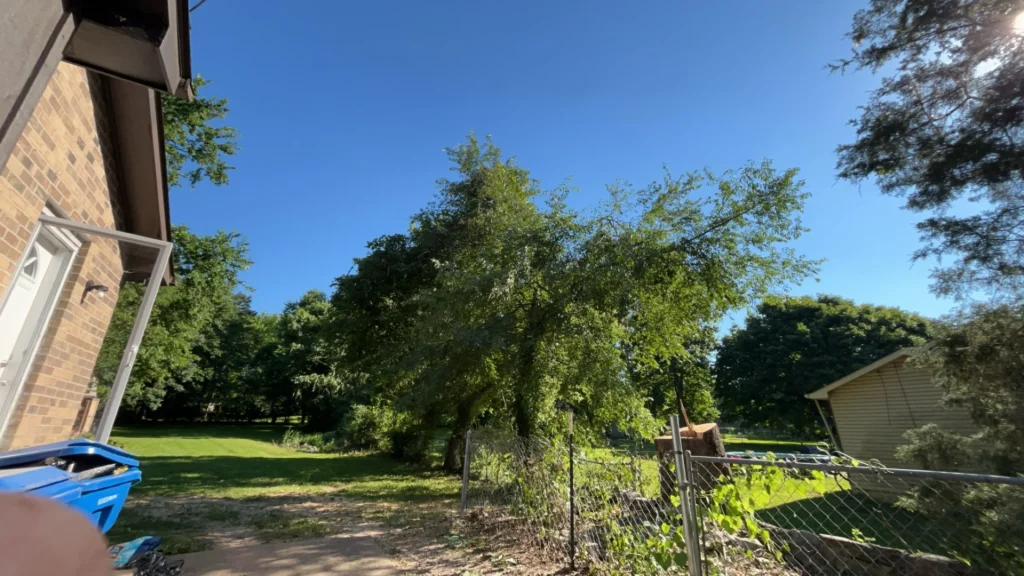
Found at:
[705, 440]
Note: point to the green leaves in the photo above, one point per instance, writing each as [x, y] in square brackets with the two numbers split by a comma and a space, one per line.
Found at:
[975, 358]
[181, 340]
[945, 125]
[195, 144]
[501, 300]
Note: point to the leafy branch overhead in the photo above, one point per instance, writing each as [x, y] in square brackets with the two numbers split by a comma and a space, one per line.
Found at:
[196, 143]
[945, 126]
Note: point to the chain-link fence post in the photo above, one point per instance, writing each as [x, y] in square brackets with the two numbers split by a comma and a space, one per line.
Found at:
[695, 543]
[465, 474]
[572, 500]
[685, 503]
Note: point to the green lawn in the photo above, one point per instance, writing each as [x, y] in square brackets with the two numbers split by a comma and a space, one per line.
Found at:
[243, 461]
[745, 444]
[230, 470]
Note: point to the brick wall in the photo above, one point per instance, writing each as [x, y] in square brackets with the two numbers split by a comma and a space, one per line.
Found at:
[64, 158]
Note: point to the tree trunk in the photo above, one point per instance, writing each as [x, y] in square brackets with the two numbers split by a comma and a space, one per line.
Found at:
[522, 416]
[453, 452]
[707, 442]
[463, 420]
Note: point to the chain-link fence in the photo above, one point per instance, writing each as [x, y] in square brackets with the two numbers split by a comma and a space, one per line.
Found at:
[630, 512]
[837, 518]
[626, 518]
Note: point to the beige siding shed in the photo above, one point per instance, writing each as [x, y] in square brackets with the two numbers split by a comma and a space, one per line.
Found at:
[876, 405]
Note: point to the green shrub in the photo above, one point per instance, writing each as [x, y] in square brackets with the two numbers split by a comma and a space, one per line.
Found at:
[383, 429]
[367, 427]
[410, 443]
[315, 442]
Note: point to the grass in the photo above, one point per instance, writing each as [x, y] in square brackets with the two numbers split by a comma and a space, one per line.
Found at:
[224, 465]
[278, 526]
[848, 514]
[243, 461]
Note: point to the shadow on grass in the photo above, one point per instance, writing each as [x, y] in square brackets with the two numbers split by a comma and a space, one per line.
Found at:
[861, 518]
[364, 476]
[261, 432]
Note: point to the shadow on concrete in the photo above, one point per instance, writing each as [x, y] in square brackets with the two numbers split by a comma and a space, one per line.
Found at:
[338, 556]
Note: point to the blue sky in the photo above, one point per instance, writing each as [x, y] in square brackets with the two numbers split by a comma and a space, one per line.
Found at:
[344, 109]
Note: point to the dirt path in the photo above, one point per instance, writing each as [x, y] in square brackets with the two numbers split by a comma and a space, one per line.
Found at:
[424, 539]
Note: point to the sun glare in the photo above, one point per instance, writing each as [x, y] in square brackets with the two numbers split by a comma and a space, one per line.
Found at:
[1018, 23]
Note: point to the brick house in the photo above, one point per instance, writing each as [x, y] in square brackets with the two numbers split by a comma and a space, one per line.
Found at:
[83, 196]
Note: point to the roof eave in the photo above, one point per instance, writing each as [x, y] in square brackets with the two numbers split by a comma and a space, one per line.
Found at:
[137, 127]
[823, 392]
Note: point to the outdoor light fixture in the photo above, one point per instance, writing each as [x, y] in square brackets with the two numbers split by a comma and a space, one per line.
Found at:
[99, 288]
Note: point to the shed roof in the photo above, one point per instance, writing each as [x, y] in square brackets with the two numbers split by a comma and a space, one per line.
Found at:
[822, 393]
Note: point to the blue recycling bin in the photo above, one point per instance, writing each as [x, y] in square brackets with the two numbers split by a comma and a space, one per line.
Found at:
[90, 477]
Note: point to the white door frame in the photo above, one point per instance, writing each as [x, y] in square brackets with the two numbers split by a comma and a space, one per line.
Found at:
[64, 229]
[36, 327]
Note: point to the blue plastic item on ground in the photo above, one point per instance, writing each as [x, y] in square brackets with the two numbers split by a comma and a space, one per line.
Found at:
[90, 477]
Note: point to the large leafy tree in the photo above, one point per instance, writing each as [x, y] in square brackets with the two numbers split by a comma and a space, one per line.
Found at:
[790, 346]
[183, 320]
[688, 381]
[502, 300]
[195, 139]
[946, 125]
[232, 371]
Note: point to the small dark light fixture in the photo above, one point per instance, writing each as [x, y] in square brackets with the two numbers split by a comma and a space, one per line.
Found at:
[99, 288]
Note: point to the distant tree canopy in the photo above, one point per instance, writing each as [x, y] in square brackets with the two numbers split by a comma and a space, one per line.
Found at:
[185, 318]
[791, 346]
[947, 124]
[308, 360]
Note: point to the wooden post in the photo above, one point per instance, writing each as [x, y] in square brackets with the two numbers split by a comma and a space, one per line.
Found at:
[465, 474]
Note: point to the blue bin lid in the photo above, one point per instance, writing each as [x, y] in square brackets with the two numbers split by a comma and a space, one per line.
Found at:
[31, 478]
[67, 448]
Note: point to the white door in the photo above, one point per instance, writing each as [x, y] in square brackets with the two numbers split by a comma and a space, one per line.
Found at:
[31, 295]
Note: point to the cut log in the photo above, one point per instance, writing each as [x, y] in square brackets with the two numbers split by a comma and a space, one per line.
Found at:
[703, 440]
